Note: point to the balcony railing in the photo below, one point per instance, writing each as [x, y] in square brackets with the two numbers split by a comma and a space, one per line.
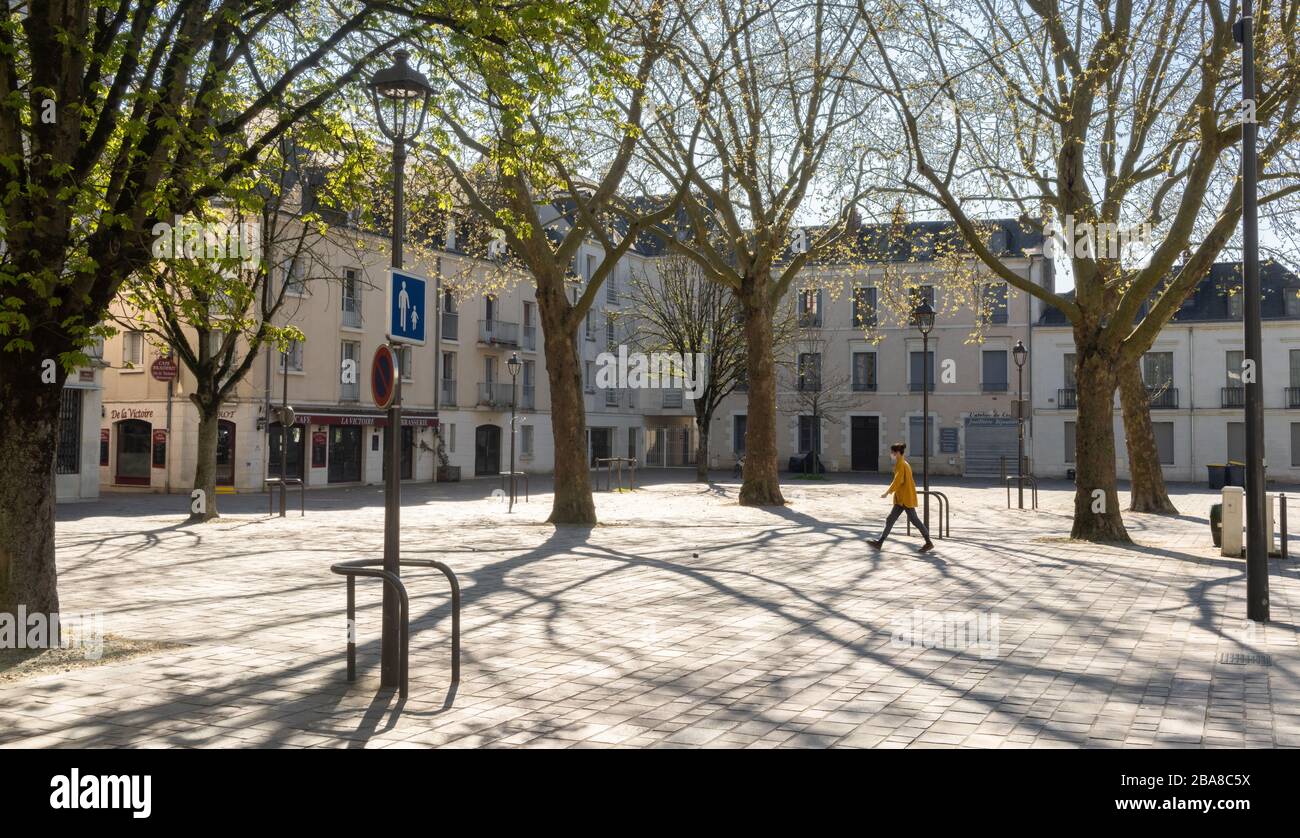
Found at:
[527, 397]
[447, 397]
[994, 386]
[352, 312]
[1293, 398]
[672, 398]
[450, 325]
[494, 395]
[1067, 398]
[1232, 397]
[530, 338]
[350, 392]
[810, 320]
[1163, 398]
[916, 386]
[498, 332]
[612, 396]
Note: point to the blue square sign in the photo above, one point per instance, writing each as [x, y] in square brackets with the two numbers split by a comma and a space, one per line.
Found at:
[407, 309]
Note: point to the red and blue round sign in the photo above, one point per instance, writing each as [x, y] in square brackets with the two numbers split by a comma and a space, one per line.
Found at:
[383, 376]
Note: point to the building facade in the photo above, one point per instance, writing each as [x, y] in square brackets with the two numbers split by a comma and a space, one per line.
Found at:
[1193, 372]
[852, 377]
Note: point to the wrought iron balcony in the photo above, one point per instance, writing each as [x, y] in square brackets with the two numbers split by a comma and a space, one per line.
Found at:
[447, 398]
[1292, 398]
[450, 325]
[1163, 398]
[1067, 398]
[530, 338]
[1232, 397]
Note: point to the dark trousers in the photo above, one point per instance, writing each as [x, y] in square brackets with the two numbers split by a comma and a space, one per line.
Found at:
[899, 509]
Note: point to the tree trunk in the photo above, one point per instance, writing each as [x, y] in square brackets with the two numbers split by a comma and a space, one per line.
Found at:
[1147, 492]
[205, 467]
[762, 486]
[702, 449]
[29, 410]
[573, 503]
[1096, 501]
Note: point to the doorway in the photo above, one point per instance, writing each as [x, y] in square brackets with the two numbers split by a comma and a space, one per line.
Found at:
[487, 449]
[133, 439]
[601, 444]
[297, 437]
[345, 454]
[865, 443]
[225, 453]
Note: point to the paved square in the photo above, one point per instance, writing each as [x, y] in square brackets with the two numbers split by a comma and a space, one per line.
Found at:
[684, 620]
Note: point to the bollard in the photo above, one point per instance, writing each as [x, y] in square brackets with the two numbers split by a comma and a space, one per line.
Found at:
[1281, 523]
[1233, 508]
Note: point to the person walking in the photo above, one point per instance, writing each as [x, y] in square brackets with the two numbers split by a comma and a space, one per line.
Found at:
[904, 491]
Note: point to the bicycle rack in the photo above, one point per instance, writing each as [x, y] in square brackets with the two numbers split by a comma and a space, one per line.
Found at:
[1009, 479]
[945, 512]
[374, 568]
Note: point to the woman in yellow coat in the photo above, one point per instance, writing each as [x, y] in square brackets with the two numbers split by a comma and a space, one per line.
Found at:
[904, 491]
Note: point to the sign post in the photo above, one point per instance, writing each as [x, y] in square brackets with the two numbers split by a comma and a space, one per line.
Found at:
[406, 319]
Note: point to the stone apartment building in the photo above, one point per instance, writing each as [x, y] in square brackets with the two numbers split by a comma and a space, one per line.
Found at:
[1193, 372]
[850, 392]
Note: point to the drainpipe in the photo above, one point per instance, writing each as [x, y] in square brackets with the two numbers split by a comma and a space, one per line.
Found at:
[437, 359]
[1191, 403]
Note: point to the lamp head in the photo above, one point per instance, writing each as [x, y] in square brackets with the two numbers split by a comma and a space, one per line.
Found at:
[923, 317]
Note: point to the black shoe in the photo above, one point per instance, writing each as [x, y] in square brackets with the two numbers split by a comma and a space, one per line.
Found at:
[876, 542]
[926, 547]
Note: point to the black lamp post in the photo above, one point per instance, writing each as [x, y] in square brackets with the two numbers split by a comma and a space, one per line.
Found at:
[513, 365]
[1020, 354]
[1258, 538]
[923, 316]
[400, 95]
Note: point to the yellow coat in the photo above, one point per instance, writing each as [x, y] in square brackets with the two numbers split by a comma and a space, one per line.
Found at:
[904, 487]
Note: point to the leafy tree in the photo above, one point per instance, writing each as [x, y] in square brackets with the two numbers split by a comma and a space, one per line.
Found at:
[118, 115]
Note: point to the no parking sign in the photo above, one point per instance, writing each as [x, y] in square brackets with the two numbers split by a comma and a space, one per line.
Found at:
[383, 376]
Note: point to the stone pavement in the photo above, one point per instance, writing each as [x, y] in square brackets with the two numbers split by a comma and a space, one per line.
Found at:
[683, 620]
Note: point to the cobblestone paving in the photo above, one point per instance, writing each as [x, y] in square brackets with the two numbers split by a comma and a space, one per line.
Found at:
[684, 620]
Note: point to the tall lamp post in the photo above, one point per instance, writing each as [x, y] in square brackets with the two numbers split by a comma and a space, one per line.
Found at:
[1020, 354]
[1257, 536]
[400, 95]
[923, 316]
[513, 365]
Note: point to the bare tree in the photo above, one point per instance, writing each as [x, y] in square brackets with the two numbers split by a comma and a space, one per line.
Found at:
[757, 116]
[678, 311]
[817, 386]
[1111, 120]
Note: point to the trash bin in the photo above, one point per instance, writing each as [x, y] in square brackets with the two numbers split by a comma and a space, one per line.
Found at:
[1218, 476]
[1236, 474]
[1216, 523]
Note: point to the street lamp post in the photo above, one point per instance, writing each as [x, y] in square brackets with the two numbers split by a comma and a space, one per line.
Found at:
[1257, 536]
[513, 365]
[1020, 354]
[923, 316]
[400, 95]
